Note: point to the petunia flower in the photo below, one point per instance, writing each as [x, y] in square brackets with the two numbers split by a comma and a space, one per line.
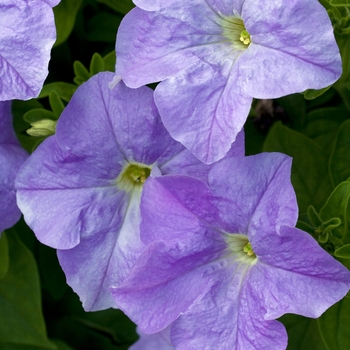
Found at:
[224, 261]
[80, 190]
[213, 56]
[27, 33]
[12, 156]
[157, 341]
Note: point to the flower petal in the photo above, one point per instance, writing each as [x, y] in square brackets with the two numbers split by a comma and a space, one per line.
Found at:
[12, 156]
[27, 28]
[11, 159]
[258, 206]
[171, 273]
[296, 275]
[184, 163]
[159, 341]
[7, 134]
[101, 123]
[227, 317]
[153, 46]
[205, 116]
[161, 286]
[105, 258]
[289, 53]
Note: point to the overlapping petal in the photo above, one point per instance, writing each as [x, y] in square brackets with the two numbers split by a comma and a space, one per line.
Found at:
[27, 34]
[195, 98]
[69, 191]
[191, 235]
[227, 317]
[12, 157]
[159, 341]
[184, 40]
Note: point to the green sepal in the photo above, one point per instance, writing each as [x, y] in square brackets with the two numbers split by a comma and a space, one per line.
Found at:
[64, 91]
[312, 94]
[56, 104]
[97, 64]
[313, 216]
[37, 114]
[343, 252]
[323, 237]
[109, 61]
[340, 3]
[81, 73]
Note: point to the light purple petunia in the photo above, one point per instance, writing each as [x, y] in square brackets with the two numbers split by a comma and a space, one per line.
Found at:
[214, 56]
[12, 156]
[27, 33]
[157, 341]
[80, 190]
[223, 262]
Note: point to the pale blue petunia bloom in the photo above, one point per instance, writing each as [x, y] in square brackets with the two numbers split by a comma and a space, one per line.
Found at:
[223, 261]
[213, 56]
[80, 190]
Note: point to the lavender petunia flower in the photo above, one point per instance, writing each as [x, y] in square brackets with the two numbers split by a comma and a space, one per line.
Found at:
[157, 341]
[27, 34]
[214, 56]
[12, 157]
[80, 190]
[223, 262]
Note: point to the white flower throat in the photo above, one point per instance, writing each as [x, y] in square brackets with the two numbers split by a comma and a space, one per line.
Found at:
[234, 30]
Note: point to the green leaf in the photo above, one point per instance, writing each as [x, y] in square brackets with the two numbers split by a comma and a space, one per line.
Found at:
[337, 206]
[339, 162]
[61, 345]
[52, 276]
[313, 216]
[103, 27]
[64, 90]
[96, 64]
[4, 256]
[343, 252]
[121, 6]
[312, 94]
[37, 114]
[340, 2]
[56, 104]
[21, 319]
[295, 106]
[323, 124]
[334, 325]
[310, 176]
[109, 61]
[303, 333]
[81, 73]
[65, 13]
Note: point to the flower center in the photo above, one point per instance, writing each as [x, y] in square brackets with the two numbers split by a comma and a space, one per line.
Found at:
[133, 175]
[240, 248]
[234, 30]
